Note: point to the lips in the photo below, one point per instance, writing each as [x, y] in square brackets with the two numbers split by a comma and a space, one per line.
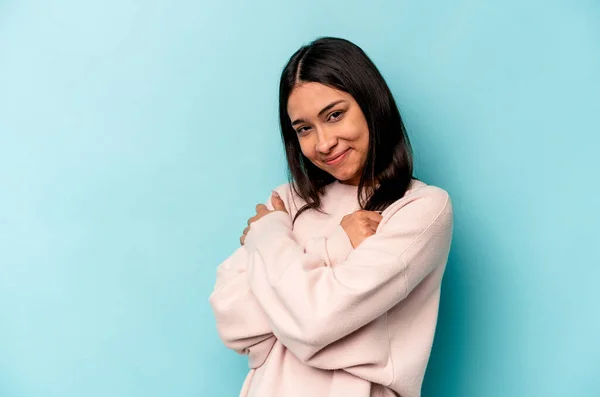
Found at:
[334, 159]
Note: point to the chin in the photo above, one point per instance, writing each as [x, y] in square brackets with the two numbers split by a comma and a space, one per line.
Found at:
[344, 176]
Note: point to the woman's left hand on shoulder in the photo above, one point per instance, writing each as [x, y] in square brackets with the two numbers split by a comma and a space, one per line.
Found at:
[262, 210]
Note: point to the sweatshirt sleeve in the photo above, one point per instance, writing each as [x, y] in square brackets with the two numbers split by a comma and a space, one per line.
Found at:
[241, 322]
[309, 305]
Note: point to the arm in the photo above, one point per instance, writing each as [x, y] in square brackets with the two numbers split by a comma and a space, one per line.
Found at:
[241, 323]
[310, 306]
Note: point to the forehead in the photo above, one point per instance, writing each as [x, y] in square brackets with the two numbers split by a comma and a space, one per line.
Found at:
[307, 99]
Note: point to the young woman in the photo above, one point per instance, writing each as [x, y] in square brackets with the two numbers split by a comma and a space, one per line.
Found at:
[335, 289]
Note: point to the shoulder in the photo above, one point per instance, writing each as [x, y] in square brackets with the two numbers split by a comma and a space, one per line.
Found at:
[424, 204]
[284, 188]
[434, 196]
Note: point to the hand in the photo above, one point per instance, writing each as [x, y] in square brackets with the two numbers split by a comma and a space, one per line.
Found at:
[360, 224]
[262, 210]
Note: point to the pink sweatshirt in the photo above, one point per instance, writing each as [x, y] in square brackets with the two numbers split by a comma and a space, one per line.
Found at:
[320, 318]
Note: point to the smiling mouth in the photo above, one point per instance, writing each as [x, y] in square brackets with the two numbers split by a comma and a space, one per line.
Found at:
[338, 159]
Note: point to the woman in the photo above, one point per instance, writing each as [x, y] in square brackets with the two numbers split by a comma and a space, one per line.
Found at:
[335, 289]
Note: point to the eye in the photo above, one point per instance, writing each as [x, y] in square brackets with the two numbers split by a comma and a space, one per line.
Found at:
[302, 129]
[335, 116]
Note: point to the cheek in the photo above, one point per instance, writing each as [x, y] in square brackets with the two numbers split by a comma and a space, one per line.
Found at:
[307, 148]
[362, 134]
[354, 130]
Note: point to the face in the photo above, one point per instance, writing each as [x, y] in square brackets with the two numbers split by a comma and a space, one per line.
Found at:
[331, 128]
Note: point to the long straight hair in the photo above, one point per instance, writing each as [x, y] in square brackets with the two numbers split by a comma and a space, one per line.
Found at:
[340, 64]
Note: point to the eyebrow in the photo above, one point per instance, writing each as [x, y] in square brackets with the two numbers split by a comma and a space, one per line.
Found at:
[325, 109]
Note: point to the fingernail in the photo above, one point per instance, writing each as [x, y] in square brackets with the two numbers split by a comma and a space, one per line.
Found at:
[275, 193]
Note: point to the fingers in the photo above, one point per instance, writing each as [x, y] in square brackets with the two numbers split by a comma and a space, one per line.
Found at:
[277, 202]
[370, 221]
[368, 227]
[243, 237]
[261, 210]
[373, 215]
[372, 225]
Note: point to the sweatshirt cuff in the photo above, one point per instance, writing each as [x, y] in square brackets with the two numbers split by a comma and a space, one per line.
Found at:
[338, 245]
[276, 222]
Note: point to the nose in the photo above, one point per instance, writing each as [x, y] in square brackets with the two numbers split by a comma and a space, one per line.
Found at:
[325, 141]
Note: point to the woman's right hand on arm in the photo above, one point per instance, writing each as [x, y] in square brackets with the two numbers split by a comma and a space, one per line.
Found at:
[360, 224]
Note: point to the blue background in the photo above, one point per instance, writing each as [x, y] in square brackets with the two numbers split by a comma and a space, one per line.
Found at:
[137, 136]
